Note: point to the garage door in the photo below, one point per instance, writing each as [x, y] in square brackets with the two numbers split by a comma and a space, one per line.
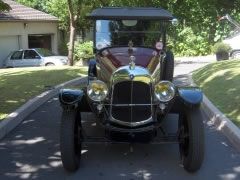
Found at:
[7, 44]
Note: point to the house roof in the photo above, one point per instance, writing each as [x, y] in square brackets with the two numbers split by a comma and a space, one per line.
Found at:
[146, 13]
[20, 12]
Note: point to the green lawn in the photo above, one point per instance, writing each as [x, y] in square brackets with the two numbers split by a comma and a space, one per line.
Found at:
[220, 82]
[17, 85]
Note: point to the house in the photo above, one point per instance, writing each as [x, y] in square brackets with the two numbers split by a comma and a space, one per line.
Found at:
[24, 27]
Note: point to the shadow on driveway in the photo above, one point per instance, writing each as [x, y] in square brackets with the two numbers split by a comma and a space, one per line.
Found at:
[31, 151]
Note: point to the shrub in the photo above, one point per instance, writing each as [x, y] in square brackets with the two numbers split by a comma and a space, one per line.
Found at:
[83, 51]
[221, 47]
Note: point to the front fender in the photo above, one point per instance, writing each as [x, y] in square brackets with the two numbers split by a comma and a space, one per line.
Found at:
[74, 98]
[191, 96]
[70, 97]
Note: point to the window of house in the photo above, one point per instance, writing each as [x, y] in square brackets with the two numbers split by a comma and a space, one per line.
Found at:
[40, 41]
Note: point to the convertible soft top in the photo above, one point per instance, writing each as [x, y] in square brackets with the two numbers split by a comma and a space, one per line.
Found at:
[117, 13]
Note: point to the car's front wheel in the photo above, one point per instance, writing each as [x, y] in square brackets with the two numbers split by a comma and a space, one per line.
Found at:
[236, 55]
[191, 136]
[70, 140]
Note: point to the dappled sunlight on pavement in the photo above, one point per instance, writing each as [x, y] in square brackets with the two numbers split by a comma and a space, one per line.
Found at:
[31, 151]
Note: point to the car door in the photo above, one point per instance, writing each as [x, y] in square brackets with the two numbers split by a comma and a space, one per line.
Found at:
[16, 59]
[31, 58]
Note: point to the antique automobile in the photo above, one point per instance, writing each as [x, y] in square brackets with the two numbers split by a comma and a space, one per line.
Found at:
[130, 89]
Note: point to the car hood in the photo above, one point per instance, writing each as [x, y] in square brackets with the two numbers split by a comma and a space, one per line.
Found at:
[233, 41]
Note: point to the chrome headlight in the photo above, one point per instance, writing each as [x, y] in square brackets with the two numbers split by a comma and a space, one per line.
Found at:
[97, 90]
[164, 91]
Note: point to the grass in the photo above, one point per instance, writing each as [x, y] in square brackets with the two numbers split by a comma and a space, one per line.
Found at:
[220, 82]
[18, 85]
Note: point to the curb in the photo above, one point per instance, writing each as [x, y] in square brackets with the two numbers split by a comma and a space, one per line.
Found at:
[16, 117]
[219, 120]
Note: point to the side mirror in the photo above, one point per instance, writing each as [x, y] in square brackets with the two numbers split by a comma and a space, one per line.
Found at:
[175, 22]
[37, 57]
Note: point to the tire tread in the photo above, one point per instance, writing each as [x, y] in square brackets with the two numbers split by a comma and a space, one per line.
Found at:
[69, 159]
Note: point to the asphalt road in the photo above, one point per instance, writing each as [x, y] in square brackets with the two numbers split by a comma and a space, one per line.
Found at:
[31, 151]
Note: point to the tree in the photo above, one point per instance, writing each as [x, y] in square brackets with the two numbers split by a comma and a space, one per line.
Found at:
[40, 5]
[77, 16]
[74, 14]
[197, 18]
[71, 14]
[4, 6]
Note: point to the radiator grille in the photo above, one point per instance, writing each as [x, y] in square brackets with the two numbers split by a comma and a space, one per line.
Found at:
[131, 92]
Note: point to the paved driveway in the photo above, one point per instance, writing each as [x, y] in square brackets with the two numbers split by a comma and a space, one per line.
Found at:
[31, 151]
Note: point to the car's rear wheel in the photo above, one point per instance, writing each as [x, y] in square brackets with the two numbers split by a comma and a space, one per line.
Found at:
[70, 140]
[191, 136]
[50, 64]
[168, 66]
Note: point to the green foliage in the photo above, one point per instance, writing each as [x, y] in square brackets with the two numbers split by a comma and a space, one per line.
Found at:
[221, 47]
[36, 4]
[56, 8]
[63, 48]
[83, 51]
[198, 27]
[4, 6]
[187, 43]
[59, 9]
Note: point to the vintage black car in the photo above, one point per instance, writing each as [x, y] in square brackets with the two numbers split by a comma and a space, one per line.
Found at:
[130, 88]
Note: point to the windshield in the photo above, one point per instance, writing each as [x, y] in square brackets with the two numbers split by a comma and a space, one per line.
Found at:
[119, 33]
[44, 52]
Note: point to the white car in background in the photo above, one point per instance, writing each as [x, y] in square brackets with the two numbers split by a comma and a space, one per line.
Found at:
[234, 40]
[234, 43]
[34, 57]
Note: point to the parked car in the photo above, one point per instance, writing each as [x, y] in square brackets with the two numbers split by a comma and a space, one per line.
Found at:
[130, 89]
[234, 39]
[34, 57]
[233, 42]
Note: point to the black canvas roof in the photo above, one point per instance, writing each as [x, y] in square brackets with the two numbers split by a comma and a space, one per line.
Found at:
[131, 13]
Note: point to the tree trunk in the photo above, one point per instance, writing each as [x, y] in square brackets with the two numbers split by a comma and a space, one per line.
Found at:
[72, 33]
[83, 35]
[71, 45]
